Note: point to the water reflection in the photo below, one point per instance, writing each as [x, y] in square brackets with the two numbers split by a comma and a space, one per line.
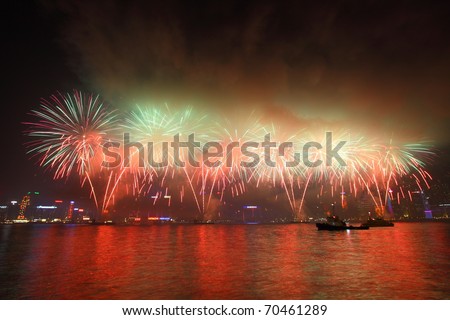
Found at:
[409, 261]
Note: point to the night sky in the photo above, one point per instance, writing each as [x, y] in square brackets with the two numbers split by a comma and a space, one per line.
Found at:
[379, 65]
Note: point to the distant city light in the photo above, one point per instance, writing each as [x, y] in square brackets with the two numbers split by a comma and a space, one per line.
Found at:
[159, 218]
[250, 207]
[46, 207]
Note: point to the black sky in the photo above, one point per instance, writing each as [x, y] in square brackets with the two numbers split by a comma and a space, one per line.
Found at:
[382, 64]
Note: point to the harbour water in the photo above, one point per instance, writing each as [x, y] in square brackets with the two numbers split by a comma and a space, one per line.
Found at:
[292, 261]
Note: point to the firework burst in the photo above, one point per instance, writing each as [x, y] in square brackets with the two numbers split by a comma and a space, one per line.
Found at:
[68, 133]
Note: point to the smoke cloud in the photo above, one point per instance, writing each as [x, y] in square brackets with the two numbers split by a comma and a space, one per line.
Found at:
[383, 67]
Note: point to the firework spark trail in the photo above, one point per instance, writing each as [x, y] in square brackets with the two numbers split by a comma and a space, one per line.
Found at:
[399, 161]
[158, 126]
[281, 172]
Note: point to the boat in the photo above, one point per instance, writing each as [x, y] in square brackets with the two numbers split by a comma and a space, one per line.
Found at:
[378, 222]
[334, 224]
[329, 227]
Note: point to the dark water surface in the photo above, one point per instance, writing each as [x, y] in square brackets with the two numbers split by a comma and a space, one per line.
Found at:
[409, 261]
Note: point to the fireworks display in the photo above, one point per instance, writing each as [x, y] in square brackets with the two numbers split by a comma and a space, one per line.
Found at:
[69, 131]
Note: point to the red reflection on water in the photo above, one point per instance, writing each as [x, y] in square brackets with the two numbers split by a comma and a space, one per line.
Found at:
[218, 266]
[409, 261]
[400, 262]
